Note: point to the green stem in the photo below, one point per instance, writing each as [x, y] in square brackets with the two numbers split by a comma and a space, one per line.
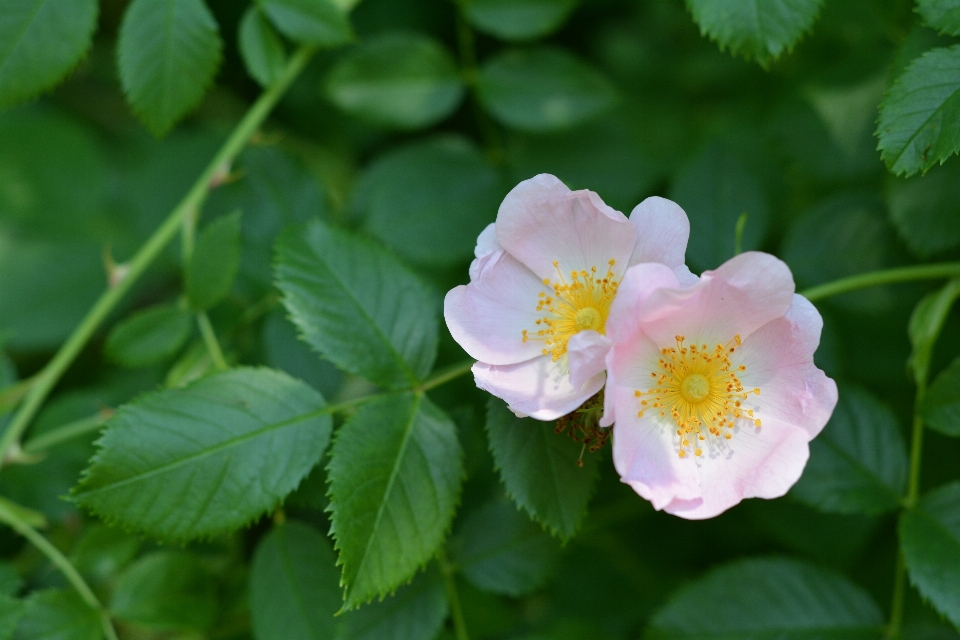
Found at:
[887, 276]
[446, 375]
[67, 432]
[52, 372]
[12, 395]
[468, 63]
[210, 339]
[10, 517]
[456, 612]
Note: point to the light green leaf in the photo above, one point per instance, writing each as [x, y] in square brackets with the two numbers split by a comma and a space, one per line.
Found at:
[540, 471]
[357, 305]
[518, 19]
[194, 462]
[767, 598]
[930, 542]
[58, 615]
[168, 53]
[294, 588]
[405, 81]
[542, 89]
[415, 612]
[926, 322]
[942, 15]
[149, 336]
[919, 123]
[166, 590]
[214, 262]
[261, 48]
[320, 22]
[715, 190]
[941, 403]
[858, 464]
[926, 210]
[429, 200]
[11, 611]
[395, 473]
[760, 30]
[501, 550]
[41, 41]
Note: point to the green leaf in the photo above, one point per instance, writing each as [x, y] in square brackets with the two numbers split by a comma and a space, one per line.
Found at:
[941, 403]
[429, 200]
[930, 542]
[214, 262]
[320, 22]
[942, 15]
[858, 464]
[395, 472]
[501, 550]
[102, 552]
[167, 590]
[542, 89]
[11, 611]
[261, 48]
[715, 189]
[926, 322]
[58, 615]
[415, 612]
[284, 351]
[357, 305]
[760, 30]
[518, 19]
[294, 588]
[194, 462]
[168, 53]
[539, 469]
[924, 211]
[149, 336]
[10, 580]
[41, 41]
[405, 81]
[919, 123]
[767, 598]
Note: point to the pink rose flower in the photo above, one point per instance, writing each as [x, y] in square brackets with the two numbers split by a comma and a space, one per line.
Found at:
[546, 273]
[713, 386]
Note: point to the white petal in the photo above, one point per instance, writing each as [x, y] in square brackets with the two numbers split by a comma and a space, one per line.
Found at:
[587, 354]
[662, 232]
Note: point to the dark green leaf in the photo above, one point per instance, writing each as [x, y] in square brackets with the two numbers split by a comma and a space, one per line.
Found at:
[262, 49]
[149, 336]
[102, 552]
[942, 15]
[168, 53]
[926, 322]
[57, 615]
[930, 542]
[415, 612]
[763, 599]
[858, 464]
[214, 262]
[399, 80]
[542, 89]
[284, 351]
[760, 30]
[166, 590]
[395, 472]
[10, 580]
[924, 210]
[429, 201]
[294, 588]
[501, 550]
[941, 403]
[193, 462]
[11, 610]
[320, 22]
[715, 190]
[518, 19]
[357, 305]
[41, 41]
[919, 122]
[539, 468]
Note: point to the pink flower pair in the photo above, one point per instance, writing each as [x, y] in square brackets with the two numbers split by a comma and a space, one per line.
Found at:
[710, 383]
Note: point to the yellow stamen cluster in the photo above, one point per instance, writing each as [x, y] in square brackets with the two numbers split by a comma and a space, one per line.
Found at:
[700, 390]
[569, 307]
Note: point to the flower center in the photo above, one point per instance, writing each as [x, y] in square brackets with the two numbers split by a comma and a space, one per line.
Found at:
[702, 393]
[569, 306]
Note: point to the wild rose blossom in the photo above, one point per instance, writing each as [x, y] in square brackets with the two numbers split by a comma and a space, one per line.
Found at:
[713, 387]
[545, 275]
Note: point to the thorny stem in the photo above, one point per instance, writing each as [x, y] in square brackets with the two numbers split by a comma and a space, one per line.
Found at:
[51, 373]
[887, 276]
[456, 612]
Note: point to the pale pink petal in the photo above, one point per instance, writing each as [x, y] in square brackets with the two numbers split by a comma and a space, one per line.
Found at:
[541, 222]
[757, 463]
[486, 250]
[487, 317]
[587, 354]
[539, 388]
[685, 276]
[662, 232]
